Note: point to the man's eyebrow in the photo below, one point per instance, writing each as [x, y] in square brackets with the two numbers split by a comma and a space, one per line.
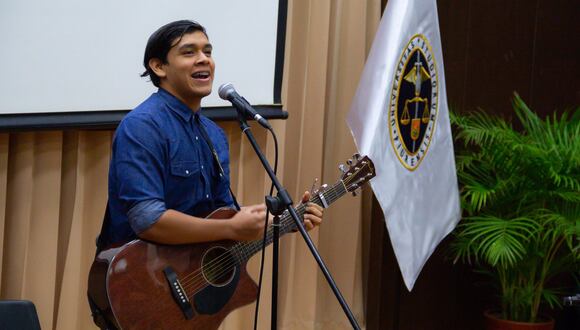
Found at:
[192, 45]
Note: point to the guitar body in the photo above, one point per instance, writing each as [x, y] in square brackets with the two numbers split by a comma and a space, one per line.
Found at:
[131, 284]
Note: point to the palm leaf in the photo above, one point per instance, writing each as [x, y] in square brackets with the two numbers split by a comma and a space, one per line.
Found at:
[552, 297]
[496, 240]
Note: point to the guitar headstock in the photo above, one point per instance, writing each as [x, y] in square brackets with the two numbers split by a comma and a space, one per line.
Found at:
[358, 172]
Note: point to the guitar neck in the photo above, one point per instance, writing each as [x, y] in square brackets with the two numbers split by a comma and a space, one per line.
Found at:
[242, 251]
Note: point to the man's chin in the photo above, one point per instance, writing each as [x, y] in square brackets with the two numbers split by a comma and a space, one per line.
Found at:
[205, 93]
[201, 92]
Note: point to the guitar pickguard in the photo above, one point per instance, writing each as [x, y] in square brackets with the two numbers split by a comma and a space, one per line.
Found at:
[212, 299]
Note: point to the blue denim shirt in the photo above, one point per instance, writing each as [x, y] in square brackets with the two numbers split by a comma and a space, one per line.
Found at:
[160, 161]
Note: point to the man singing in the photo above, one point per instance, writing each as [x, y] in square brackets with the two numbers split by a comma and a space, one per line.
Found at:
[164, 176]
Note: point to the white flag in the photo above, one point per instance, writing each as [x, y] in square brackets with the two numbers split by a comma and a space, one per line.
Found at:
[399, 118]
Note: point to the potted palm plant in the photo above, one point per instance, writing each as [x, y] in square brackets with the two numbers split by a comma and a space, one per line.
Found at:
[520, 192]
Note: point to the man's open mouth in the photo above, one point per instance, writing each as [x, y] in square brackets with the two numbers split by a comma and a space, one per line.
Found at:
[200, 75]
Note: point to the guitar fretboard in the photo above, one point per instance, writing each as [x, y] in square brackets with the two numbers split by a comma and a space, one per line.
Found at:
[242, 251]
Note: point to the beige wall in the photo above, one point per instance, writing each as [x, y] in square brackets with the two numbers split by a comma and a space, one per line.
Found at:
[53, 186]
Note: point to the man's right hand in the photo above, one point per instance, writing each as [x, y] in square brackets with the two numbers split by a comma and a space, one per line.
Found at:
[248, 223]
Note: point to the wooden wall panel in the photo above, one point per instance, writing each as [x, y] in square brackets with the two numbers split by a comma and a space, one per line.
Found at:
[500, 53]
[556, 71]
[455, 42]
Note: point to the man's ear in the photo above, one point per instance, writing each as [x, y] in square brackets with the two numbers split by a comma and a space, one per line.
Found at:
[157, 66]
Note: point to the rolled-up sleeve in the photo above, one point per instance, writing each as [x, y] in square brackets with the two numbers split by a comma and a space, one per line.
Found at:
[143, 215]
[139, 153]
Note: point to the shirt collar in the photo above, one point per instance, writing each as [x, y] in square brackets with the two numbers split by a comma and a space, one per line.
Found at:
[176, 105]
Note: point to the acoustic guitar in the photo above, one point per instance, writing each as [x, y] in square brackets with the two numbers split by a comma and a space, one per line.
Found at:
[143, 285]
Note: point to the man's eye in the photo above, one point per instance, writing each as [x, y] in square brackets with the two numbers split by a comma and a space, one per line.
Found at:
[207, 53]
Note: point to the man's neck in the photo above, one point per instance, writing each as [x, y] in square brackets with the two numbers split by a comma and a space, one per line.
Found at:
[193, 103]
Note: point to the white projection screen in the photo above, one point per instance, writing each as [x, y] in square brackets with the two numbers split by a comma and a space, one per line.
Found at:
[83, 56]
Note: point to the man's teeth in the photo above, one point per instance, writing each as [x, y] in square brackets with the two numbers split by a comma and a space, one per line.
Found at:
[201, 75]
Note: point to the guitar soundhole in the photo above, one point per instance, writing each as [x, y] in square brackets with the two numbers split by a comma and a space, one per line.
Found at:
[218, 266]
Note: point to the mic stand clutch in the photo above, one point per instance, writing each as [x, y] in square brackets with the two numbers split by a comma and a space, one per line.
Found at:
[283, 200]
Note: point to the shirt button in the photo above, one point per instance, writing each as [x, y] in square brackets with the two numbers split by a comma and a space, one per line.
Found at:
[196, 138]
[202, 167]
[186, 171]
[206, 196]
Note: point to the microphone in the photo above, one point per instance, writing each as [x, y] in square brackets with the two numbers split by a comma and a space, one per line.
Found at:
[228, 92]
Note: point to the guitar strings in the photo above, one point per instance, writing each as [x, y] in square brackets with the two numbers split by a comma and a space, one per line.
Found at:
[200, 285]
[225, 268]
[222, 269]
[332, 196]
[246, 252]
[195, 278]
[240, 248]
[286, 224]
[218, 261]
[246, 249]
[231, 265]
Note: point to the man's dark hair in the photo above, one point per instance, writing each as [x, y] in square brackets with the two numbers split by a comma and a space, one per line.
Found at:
[161, 42]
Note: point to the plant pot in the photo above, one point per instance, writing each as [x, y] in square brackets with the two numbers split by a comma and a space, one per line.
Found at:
[493, 322]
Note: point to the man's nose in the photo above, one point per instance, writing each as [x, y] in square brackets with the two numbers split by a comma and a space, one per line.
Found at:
[202, 58]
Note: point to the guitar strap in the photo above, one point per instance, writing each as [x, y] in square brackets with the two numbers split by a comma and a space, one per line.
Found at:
[215, 157]
[106, 220]
[98, 316]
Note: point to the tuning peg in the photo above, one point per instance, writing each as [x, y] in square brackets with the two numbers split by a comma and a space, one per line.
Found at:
[354, 193]
[313, 189]
[354, 187]
[349, 162]
[356, 157]
[343, 168]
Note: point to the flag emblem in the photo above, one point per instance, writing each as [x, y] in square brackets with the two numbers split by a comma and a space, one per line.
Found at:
[413, 102]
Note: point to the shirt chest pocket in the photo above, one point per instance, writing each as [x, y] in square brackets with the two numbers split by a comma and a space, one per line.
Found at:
[186, 185]
[185, 169]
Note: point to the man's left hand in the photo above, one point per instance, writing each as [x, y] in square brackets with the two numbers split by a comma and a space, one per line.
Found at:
[313, 214]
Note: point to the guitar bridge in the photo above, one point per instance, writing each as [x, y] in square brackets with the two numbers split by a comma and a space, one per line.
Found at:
[179, 295]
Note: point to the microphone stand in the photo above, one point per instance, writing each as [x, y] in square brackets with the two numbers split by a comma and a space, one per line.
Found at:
[283, 200]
